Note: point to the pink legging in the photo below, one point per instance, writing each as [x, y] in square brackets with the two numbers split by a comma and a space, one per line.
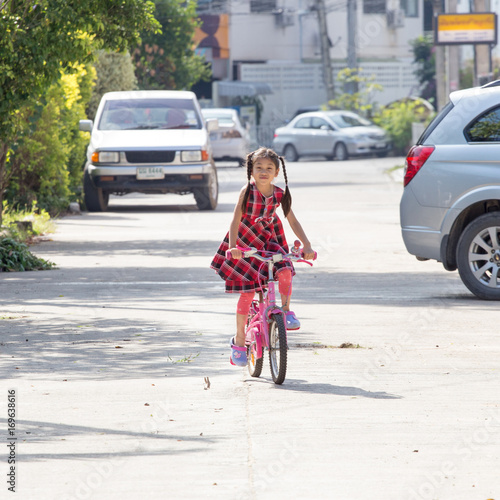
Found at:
[285, 288]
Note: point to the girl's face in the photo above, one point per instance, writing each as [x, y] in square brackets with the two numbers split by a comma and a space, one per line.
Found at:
[264, 170]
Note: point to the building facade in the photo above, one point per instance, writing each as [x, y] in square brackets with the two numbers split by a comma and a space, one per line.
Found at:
[278, 43]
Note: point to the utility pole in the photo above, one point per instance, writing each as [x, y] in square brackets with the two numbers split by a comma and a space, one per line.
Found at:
[482, 52]
[440, 57]
[325, 50]
[352, 58]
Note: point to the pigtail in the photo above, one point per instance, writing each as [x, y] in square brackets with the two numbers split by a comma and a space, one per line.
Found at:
[249, 164]
[286, 201]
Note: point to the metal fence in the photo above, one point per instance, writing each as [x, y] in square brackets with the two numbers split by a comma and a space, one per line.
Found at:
[262, 135]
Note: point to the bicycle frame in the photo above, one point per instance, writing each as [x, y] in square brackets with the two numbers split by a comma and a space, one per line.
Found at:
[258, 327]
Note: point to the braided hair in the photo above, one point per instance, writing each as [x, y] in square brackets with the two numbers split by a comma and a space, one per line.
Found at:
[286, 201]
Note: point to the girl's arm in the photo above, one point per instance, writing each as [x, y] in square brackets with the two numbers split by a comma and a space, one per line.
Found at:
[233, 228]
[301, 235]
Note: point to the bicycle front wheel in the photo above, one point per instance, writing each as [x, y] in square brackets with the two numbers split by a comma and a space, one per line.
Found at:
[277, 348]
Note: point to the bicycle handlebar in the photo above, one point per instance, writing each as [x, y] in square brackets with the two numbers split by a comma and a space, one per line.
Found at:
[296, 255]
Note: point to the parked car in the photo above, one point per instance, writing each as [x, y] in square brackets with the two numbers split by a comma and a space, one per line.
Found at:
[450, 208]
[334, 134]
[306, 109]
[232, 140]
[149, 142]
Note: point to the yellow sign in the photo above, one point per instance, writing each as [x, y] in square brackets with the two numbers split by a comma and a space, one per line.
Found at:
[466, 28]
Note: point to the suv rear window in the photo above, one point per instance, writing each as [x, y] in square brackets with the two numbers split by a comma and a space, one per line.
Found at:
[486, 128]
[434, 123]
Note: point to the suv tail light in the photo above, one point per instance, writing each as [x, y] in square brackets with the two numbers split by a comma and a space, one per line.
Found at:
[415, 160]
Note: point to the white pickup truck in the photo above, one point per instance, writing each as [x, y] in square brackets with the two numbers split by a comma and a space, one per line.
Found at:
[149, 141]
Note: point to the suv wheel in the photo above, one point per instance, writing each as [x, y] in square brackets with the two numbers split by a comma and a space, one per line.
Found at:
[206, 197]
[96, 200]
[478, 256]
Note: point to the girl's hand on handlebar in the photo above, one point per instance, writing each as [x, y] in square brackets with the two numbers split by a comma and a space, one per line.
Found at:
[235, 253]
[309, 253]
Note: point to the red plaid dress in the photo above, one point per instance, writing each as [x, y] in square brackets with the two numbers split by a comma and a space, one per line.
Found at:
[260, 228]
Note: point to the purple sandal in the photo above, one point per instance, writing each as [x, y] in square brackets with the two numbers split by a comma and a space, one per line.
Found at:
[238, 354]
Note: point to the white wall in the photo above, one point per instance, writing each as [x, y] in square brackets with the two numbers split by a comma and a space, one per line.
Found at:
[255, 37]
[298, 85]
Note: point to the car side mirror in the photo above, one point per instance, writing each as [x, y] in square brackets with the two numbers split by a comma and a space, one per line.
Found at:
[212, 124]
[325, 127]
[86, 125]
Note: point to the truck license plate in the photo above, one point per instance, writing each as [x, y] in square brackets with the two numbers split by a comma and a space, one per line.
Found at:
[150, 173]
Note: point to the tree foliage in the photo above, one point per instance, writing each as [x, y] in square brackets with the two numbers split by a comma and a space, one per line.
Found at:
[360, 101]
[423, 57]
[46, 167]
[40, 39]
[167, 60]
[397, 118]
[115, 72]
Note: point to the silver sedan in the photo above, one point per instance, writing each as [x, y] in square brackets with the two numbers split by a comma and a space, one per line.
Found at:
[334, 134]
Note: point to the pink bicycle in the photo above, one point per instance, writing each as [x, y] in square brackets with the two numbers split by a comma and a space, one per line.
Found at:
[266, 324]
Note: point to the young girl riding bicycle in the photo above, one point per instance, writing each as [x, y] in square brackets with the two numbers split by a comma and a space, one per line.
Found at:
[256, 224]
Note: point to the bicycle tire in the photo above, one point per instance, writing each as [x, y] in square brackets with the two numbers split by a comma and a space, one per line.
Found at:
[277, 348]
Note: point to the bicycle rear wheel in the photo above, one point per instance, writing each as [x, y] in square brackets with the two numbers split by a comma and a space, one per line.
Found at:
[277, 348]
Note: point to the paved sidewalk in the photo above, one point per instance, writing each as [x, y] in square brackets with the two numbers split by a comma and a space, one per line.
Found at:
[124, 391]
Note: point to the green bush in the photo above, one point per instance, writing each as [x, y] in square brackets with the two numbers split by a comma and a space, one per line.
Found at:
[15, 256]
[397, 118]
[46, 166]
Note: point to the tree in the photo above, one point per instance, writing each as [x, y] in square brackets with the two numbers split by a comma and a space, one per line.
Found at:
[47, 166]
[40, 39]
[115, 72]
[167, 60]
[423, 56]
[359, 101]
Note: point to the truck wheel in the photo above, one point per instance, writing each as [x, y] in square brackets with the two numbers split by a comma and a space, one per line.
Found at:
[478, 256]
[206, 197]
[96, 200]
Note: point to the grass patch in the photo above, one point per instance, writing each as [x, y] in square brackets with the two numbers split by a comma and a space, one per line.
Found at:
[349, 345]
[20, 227]
[186, 359]
[319, 345]
[393, 169]
[25, 224]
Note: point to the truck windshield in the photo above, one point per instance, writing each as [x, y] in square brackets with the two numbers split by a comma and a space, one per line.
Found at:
[137, 114]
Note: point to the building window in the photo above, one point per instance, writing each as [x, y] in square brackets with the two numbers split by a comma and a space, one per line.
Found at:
[262, 5]
[428, 16]
[374, 6]
[410, 7]
[211, 6]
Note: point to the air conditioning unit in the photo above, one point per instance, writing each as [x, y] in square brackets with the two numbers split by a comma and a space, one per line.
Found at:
[283, 18]
[395, 18]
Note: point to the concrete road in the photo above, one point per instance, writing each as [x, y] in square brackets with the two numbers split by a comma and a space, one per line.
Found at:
[123, 389]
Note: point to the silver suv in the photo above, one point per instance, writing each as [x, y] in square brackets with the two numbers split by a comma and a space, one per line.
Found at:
[149, 142]
[450, 208]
